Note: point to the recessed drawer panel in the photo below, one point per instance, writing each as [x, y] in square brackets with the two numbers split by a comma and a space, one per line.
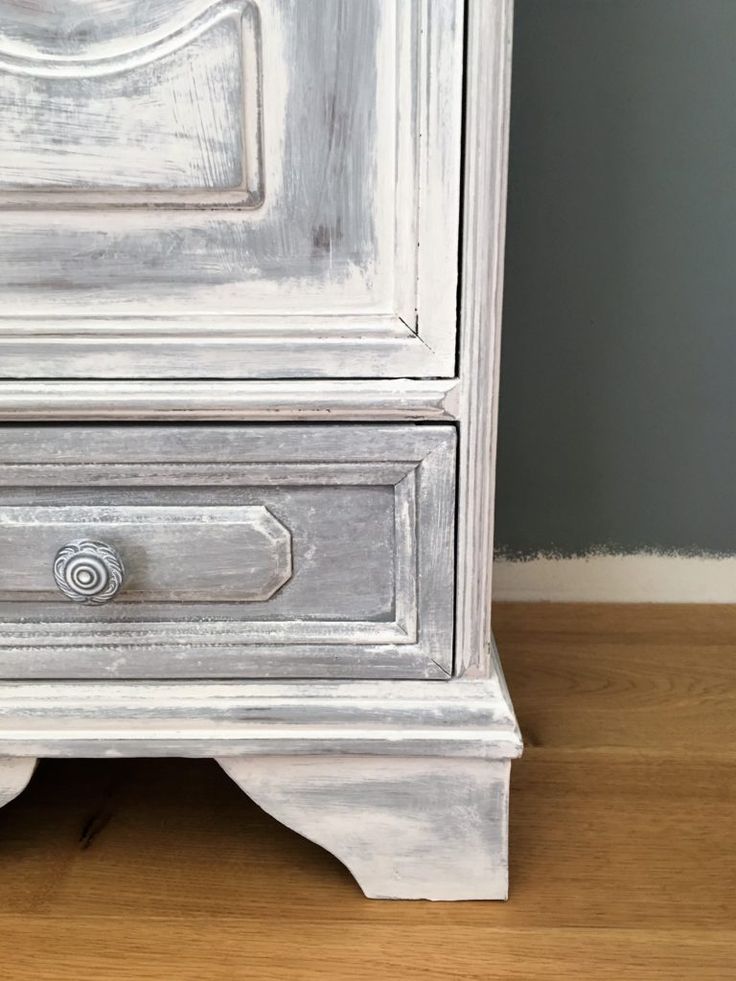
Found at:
[252, 551]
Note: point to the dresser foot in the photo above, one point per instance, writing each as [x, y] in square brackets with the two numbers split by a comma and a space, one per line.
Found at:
[406, 827]
[15, 774]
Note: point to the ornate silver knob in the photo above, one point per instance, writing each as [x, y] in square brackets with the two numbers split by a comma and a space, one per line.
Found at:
[89, 572]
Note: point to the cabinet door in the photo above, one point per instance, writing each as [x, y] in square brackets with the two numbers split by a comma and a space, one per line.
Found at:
[229, 188]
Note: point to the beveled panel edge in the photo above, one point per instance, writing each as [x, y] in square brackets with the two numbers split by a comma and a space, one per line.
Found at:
[392, 400]
[148, 644]
[159, 44]
[431, 447]
[249, 195]
[370, 346]
[115, 522]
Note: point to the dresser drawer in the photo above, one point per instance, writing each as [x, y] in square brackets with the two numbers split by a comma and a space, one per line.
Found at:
[229, 188]
[219, 551]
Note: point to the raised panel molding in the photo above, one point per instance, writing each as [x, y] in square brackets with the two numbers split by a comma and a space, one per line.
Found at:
[170, 554]
[368, 594]
[329, 129]
[176, 109]
[302, 348]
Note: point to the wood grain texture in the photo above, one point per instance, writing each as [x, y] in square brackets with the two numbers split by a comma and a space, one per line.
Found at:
[622, 840]
[655, 680]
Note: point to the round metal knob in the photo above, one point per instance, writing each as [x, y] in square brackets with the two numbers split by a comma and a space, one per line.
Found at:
[89, 572]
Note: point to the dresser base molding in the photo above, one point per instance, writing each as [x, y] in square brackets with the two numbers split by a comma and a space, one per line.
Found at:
[406, 782]
[466, 719]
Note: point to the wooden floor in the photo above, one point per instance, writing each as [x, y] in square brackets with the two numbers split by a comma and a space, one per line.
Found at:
[623, 840]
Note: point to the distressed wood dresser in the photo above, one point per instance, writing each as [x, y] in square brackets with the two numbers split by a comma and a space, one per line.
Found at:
[250, 279]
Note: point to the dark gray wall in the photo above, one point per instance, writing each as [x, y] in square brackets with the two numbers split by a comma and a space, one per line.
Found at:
[618, 398]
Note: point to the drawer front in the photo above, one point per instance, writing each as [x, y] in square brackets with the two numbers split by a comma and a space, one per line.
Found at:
[250, 551]
[229, 188]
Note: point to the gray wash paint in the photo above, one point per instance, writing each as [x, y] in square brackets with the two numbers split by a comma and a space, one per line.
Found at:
[618, 400]
[327, 160]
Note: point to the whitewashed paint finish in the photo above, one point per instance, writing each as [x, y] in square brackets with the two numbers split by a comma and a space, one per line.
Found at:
[15, 774]
[392, 400]
[467, 719]
[486, 155]
[439, 151]
[406, 781]
[167, 551]
[340, 262]
[100, 118]
[344, 566]
[406, 828]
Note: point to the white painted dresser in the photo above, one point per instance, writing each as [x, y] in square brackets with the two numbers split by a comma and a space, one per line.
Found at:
[250, 286]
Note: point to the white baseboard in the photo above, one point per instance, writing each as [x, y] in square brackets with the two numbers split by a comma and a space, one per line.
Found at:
[639, 578]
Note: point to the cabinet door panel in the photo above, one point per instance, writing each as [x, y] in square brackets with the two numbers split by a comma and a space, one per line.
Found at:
[229, 188]
[172, 114]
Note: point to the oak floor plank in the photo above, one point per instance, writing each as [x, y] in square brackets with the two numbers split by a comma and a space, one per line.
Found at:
[623, 843]
[650, 678]
[223, 950]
